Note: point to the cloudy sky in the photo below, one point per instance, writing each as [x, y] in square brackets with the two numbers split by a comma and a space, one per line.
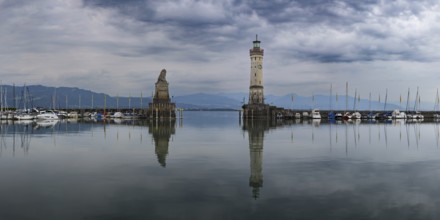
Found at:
[120, 46]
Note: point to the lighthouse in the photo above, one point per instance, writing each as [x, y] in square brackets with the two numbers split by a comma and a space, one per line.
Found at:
[256, 95]
[256, 106]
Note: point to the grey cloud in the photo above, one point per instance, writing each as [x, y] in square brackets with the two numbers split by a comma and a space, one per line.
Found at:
[183, 33]
[370, 37]
[173, 13]
[211, 39]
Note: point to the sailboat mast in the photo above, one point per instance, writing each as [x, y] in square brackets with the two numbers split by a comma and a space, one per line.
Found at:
[117, 102]
[354, 100]
[1, 96]
[386, 97]
[331, 88]
[14, 98]
[400, 102]
[54, 99]
[24, 97]
[105, 104]
[336, 99]
[369, 102]
[141, 100]
[5, 103]
[129, 101]
[31, 100]
[436, 102]
[346, 96]
[417, 99]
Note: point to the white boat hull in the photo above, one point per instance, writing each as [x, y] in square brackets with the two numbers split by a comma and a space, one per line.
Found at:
[24, 117]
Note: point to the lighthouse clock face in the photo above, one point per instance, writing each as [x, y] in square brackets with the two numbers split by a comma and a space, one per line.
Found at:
[260, 66]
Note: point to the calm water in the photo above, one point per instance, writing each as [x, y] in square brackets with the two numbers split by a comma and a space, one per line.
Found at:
[212, 166]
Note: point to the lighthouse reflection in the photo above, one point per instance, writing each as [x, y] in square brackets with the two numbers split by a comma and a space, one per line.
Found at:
[162, 130]
[256, 130]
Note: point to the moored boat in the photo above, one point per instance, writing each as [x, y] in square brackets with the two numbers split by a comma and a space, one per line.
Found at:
[397, 114]
[24, 116]
[338, 116]
[47, 115]
[117, 115]
[305, 115]
[418, 115]
[73, 114]
[331, 115]
[315, 114]
[371, 115]
[346, 116]
[356, 115]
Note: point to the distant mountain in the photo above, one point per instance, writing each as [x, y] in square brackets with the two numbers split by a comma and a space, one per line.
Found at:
[324, 102]
[70, 97]
[238, 96]
[65, 97]
[208, 101]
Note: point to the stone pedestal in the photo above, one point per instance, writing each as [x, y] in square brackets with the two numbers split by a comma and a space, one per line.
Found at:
[256, 111]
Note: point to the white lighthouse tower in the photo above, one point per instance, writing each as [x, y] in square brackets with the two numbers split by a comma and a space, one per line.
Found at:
[256, 95]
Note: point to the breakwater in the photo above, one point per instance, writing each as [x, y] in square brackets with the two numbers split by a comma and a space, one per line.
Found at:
[325, 113]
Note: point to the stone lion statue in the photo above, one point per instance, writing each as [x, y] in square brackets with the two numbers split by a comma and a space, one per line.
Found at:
[162, 76]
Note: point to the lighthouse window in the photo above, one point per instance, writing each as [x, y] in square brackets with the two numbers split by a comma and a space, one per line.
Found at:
[255, 74]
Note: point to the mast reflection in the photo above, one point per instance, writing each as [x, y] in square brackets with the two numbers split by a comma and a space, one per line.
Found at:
[162, 130]
[16, 135]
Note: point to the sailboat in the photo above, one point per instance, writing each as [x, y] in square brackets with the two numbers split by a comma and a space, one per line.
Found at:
[356, 114]
[417, 115]
[315, 112]
[346, 115]
[25, 113]
[408, 114]
[386, 115]
[371, 115]
[117, 114]
[4, 113]
[338, 115]
[397, 114]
